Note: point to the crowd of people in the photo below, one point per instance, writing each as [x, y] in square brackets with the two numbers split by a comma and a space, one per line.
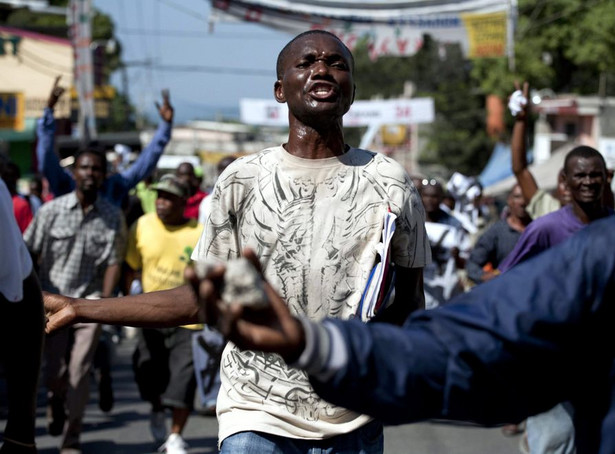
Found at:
[95, 235]
[472, 316]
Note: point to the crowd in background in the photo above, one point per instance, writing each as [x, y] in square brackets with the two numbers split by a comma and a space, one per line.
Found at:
[137, 230]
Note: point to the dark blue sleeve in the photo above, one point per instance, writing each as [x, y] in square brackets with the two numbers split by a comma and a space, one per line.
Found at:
[60, 181]
[514, 346]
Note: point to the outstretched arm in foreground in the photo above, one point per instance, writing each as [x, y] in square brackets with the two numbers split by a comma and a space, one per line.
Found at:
[510, 348]
[151, 310]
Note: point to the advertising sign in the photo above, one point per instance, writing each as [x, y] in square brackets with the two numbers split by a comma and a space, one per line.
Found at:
[481, 27]
[362, 113]
[12, 111]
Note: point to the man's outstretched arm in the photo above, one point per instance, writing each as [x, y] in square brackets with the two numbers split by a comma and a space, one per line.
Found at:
[470, 360]
[151, 310]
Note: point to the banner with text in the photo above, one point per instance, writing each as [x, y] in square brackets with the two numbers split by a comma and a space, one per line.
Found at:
[362, 113]
[481, 27]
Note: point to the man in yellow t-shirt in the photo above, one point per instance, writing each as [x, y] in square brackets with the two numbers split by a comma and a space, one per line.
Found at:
[159, 246]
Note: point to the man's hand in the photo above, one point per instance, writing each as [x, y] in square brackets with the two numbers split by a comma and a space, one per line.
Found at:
[272, 329]
[519, 101]
[165, 110]
[59, 311]
[56, 93]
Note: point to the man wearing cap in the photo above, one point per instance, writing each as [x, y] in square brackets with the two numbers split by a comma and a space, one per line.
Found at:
[159, 246]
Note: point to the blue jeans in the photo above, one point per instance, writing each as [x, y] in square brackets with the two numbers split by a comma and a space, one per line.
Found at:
[365, 440]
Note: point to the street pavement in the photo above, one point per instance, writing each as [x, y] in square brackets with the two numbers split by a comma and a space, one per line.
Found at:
[125, 430]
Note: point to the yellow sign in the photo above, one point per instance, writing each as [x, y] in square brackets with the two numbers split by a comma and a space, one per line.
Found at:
[394, 135]
[486, 34]
[12, 111]
[100, 92]
[213, 157]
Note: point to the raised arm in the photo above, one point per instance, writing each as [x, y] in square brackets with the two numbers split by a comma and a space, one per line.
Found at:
[148, 159]
[518, 145]
[60, 181]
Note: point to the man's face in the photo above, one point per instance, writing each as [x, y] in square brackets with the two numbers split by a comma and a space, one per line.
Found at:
[169, 207]
[185, 173]
[431, 196]
[89, 172]
[317, 79]
[585, 179]
[516, 203]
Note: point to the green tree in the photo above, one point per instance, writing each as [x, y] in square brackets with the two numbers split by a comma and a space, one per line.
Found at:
[456, 141]
[103, 30]
[565, 45]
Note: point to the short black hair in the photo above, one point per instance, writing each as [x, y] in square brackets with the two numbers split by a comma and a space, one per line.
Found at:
[583, 152]
[95, 152]
[284, 52]
[10, 173]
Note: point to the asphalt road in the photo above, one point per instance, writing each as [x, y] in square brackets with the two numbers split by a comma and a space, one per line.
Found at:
[125, 430]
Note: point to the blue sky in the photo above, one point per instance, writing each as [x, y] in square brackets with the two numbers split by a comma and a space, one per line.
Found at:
[167, 44]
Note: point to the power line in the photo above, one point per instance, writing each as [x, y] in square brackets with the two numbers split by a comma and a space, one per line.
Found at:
[215, 70]
[32, 65]
[190, 12]
[44, 62]
[195, 34]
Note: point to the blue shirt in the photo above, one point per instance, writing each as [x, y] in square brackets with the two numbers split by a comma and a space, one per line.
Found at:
[515, 346]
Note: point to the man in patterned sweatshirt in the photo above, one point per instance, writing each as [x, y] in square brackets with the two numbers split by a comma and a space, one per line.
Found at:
[313, 209]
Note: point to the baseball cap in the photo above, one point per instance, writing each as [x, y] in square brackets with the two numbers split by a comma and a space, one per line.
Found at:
[173, 185]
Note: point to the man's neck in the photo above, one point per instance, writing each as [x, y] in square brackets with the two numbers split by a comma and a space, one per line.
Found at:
[516, 223]
[86, 199]
[587, 213]
[180, 220]
[176, 223]
[315, 143]
[435, 216]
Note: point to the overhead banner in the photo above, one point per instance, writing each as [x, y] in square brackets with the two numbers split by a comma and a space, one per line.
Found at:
[266, 112]
[481, 27]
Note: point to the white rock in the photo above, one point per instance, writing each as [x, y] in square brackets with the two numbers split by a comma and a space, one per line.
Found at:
[243, 285]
